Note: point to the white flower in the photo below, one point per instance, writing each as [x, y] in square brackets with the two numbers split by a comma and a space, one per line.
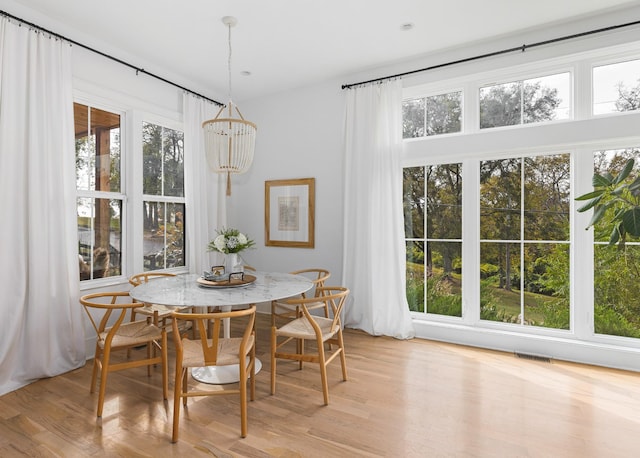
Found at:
[219, 242]
[242, 239]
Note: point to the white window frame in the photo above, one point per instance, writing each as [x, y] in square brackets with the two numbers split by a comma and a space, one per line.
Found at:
[122, 195]
[580, 136]
[132, 113]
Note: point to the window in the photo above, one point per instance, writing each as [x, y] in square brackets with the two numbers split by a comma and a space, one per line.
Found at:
[616, 87]
[103, 203]
[506, 262]
[164, 203]
[524, 240]
[615, 285]
[527, 101]
[434, 262]
[434, 115]
[100, 199]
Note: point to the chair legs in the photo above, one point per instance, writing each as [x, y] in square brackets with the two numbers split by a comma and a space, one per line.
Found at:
[180, 385]
[273, 359]
[321, 358]
[247, 374]
[102, 363]
[103, 380]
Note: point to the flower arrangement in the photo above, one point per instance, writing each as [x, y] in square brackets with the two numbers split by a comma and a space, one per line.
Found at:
[230, 241]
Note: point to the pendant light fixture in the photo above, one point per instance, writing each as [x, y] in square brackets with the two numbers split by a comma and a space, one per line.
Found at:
[229, 142]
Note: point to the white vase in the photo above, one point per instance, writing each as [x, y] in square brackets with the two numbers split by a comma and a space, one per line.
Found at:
[233, 263]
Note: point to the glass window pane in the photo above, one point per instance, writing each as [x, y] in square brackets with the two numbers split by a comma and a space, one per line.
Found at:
[501, 105]
[173, 170]
[97, 134]
[444, 278]
[611, 162]
[163, 161]
[522, 102]
[616, 290]
[414, 201]
[533, 290]
[413, 118]
[152, 159]
[99, 237]
[439, 269]
[163, 235]
[546, 283]
[444, 201]
[500, 199]
[444, 113]
[415, 275]
[547, 98]
[546, 197]
[616, 87]
[500, 282]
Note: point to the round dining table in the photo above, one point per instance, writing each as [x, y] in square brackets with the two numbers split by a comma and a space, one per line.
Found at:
[188, 291]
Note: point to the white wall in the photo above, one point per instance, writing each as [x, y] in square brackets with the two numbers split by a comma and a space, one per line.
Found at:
[299, 136]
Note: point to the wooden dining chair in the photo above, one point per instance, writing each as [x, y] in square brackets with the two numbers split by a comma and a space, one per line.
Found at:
[282, 309]
[214, 351]
[122, 335]
[317, 329]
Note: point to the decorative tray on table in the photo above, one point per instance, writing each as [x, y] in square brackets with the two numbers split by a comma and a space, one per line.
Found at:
[233, 280]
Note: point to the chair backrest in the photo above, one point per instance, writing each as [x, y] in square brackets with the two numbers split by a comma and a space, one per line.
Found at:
[317, 276]
[201, 324]
[108, 302]
[144, 277]
[334, 296]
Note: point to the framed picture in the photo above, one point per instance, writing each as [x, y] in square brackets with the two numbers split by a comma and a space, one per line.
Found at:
[289, 212]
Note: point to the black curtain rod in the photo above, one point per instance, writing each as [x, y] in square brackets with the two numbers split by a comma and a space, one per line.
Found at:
[521, 48]
[137, 69]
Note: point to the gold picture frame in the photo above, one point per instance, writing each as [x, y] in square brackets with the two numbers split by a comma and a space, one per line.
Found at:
[289, 213]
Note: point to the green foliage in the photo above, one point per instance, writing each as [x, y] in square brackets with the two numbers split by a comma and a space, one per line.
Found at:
[443, 298]
[556, 314]
[611, 322]
[615, 201]
[415, 253]
[415, 287]
[488, 306]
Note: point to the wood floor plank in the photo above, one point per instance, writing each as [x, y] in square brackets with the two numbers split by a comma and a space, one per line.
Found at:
[403, 399]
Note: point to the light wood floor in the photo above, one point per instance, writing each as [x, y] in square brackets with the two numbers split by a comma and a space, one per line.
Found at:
[403, 399]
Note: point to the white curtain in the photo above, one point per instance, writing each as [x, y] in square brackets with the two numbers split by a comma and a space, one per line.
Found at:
[204, 190]
[41, 327]
[374, 259]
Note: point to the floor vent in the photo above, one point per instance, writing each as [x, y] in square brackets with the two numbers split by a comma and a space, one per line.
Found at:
[544, 359]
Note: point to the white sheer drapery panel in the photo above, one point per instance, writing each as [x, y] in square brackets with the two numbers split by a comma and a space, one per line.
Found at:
[41, 330]
[374, 253]
[204, 190]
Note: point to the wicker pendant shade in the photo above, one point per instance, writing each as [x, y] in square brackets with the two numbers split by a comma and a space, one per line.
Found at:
[229, 141]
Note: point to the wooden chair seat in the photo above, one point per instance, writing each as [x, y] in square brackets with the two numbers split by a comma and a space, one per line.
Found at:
[301, 328]
[227, 354]
[132, 334]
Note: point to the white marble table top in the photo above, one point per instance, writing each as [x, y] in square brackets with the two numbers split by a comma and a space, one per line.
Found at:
[183, 290]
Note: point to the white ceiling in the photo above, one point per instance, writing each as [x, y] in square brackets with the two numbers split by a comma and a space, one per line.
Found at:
[286, 43]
